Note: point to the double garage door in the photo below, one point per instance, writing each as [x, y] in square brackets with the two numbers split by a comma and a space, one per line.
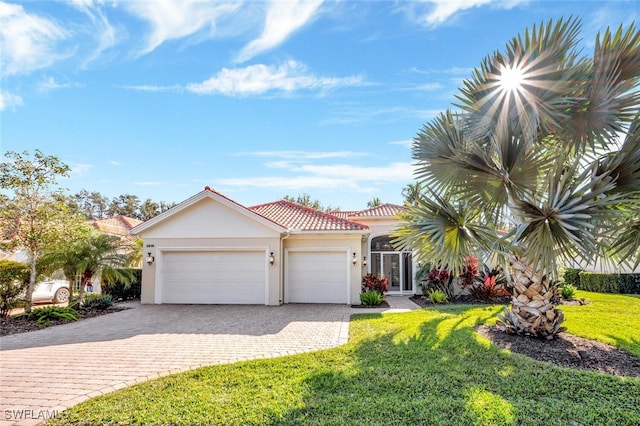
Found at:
[240, 277]
[214, 277]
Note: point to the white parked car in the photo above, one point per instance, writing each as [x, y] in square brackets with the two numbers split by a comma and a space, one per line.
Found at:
[56, 291]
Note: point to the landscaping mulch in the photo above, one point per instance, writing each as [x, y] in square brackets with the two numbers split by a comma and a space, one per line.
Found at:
[384, 304]
[21, 324]
[567, 350]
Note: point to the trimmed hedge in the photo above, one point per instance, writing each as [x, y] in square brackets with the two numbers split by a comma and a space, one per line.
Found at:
[572, 276]
[119, 291]
[609, 283]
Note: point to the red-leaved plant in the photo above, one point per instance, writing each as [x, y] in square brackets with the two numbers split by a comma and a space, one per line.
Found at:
[487, 289]
[372, 282]
[469, 273]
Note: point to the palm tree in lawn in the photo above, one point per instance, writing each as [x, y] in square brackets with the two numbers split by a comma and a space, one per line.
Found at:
[100, 256]
[541, 165]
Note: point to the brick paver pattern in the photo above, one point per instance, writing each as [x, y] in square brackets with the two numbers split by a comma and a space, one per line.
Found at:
[47, 371]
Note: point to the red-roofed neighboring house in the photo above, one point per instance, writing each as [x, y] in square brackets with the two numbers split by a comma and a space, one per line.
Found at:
[210, 249]
[117, 225]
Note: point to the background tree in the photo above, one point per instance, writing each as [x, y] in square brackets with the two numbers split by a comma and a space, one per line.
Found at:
[149, 209]
[374, 202]
[306, 201]
[126, 205]
[93, 205]
[95, 256]
[412, 193]
[537, 146]
[14, 279]
[31, 218]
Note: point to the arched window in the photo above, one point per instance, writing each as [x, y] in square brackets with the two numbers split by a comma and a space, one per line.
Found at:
[382, 243]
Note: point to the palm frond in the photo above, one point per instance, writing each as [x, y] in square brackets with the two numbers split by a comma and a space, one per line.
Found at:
[608, 94]
[442, 233]
[624, 165]
[565, 223]
[546, 62]
[625, 247]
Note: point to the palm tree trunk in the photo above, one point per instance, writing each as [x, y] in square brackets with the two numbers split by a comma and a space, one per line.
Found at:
[532, 311]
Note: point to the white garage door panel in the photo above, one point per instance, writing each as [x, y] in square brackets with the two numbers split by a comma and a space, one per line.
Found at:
[317, 277]
[213, 277]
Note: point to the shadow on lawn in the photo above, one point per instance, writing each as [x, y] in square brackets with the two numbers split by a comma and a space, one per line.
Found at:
[437, 370]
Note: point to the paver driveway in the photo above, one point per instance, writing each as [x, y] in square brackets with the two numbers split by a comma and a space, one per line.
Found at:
[46, 371]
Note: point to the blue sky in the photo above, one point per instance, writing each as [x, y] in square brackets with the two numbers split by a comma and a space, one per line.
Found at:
[256, 99]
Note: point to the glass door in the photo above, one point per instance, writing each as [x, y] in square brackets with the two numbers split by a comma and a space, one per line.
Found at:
[387, 265]
[391, 271]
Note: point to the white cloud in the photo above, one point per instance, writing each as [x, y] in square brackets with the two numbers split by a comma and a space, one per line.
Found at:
[259, 79]
[282, 19]
[440, 11]
[115, 163]
[28, 41]
[341, 176]
[391, 173]
[51, 84]
[304, 155]
[151, 88]
[176, 19]
[405, 143]
[150, 183]
[284, 182]
[101, 29]
[9, 100]
[79, 169]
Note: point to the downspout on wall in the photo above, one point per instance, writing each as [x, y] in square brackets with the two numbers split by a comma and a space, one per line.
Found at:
[287, 235]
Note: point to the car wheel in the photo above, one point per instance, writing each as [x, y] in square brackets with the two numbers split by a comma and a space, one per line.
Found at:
[61, 296]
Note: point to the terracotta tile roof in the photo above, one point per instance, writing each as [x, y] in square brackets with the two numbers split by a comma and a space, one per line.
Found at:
[345, 214]
[295, 216]
[385, 210]
[117, 225]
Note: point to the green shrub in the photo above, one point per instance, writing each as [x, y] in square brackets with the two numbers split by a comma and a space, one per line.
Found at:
[122, 291]
[571, 276]
[437, 296]
[568, 291]
[610, 283]
[44, 316]
[14, 280]
[371, 298]
[97, 301]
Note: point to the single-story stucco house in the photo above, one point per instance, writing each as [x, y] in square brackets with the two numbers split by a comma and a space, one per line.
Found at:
[211, 250]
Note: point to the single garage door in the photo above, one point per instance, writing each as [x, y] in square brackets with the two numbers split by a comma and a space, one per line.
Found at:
[317, 277]
[213, 277]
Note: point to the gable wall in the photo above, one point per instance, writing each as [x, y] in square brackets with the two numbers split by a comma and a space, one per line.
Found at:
[209, 219]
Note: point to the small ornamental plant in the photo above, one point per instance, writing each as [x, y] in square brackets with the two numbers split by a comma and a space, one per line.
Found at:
[568, 291]
[372, 282]
[371, 298]
[437, 296]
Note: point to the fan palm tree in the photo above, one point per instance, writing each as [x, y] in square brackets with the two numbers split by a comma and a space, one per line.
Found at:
[541, 165]
[98, 256]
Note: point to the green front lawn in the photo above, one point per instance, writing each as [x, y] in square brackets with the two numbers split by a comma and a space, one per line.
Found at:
[423, 367]
[613, 319]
